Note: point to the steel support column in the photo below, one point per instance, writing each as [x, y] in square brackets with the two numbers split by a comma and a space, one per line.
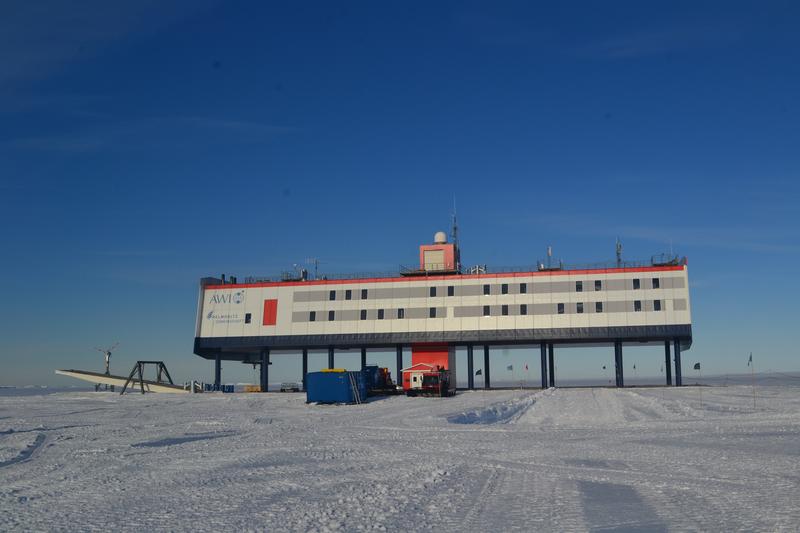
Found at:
[667, 363]
[543, 348]
[400, 364]
[217, 371]
[363, 358]
[487, 382]
[619, 363]
[331, 362]
[305, 367]
[265, 370]
[678, 378]
[551, 367]
[470, 368]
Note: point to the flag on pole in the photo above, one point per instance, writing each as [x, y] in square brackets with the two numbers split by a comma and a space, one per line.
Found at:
[750, 361]
[479, 372]
[510, 368]
[697, 366]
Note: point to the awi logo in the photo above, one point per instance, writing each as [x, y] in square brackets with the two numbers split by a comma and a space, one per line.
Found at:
[234, 298]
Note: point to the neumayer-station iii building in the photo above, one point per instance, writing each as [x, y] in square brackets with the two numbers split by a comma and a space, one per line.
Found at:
[439, 307]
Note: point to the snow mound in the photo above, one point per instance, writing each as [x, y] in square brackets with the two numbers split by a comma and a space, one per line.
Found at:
[498, 413]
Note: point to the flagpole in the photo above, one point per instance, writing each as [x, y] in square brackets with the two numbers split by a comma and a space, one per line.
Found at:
[700, 387]
[753, 378]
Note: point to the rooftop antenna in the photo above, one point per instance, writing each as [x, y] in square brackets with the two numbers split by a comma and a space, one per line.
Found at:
[549, 255]
[316, 263]
[619, 253]
[454, 236]
[107, 356]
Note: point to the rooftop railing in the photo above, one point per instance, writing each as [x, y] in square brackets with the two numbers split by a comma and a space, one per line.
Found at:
[541, 266]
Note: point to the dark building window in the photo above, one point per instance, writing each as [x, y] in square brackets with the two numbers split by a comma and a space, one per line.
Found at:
[401, 313]
[637, 283]
[363, 314]
[560, 309]
[433, 292]
[598, 307]
[332, 295]
[363, 294]
[578, 286]
[485, 310]
[580, 307]
[523, 288]
[486, 289]
[451, 290]
[523, 309]
[656, 305]
[504, 288]
[380, 314]
[331, 316]
[504, 310]
[598, 285]
[656, 283]
[432, 312]
[637, 305]
[348, 294]
[312, 316]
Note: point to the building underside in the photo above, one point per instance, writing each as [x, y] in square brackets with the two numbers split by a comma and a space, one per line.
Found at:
[257, 350]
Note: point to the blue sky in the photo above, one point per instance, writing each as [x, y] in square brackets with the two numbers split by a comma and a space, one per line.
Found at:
[144, 145]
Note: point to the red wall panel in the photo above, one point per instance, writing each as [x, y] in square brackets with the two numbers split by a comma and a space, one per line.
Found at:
[432, 354]
[270, 312]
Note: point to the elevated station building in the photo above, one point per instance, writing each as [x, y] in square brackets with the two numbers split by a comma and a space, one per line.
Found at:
[437, 306]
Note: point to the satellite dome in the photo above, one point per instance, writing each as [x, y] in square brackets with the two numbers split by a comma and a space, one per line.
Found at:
[440, 238]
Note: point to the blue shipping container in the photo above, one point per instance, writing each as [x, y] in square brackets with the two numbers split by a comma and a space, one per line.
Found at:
[371, 374]
[334, 387]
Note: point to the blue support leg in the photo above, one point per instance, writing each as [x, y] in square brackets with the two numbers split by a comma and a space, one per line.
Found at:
[217, 372]
[305, 367]
[667, 363]
[487, 382]
[399, 364]
[470, 368]
[264, 370]
[543, 349]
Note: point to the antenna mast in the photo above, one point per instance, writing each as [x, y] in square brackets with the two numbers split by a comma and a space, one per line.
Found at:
[315, 261]
[107, 356]
[619, 253]
[454, 236]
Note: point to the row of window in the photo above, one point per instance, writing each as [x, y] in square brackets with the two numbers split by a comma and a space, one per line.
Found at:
[523, 310]
[401, 313]
[598, 307]
[348, 294]
[487, 289]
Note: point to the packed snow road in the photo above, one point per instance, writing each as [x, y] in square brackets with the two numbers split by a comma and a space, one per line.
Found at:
[556, 460]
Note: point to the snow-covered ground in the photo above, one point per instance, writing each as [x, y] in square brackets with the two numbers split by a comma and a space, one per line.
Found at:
[695, 458]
